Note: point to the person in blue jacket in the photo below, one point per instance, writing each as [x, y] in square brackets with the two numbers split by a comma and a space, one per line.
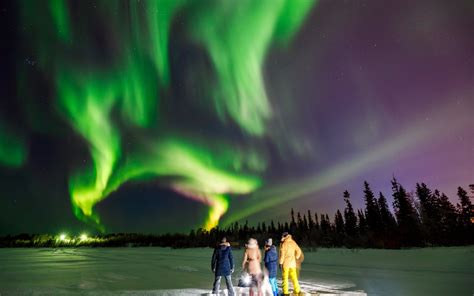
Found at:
[271, 264]
[222, 265]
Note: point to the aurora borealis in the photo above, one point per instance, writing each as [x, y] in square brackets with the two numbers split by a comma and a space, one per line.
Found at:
[164, 115]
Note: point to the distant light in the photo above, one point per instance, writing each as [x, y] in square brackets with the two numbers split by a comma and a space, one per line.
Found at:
[83, 237]
[62, 237]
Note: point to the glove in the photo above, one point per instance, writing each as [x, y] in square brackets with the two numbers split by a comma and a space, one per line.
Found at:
[214, 270]
[232, 270]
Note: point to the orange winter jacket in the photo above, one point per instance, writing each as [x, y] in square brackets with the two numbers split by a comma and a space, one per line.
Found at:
[290, 253]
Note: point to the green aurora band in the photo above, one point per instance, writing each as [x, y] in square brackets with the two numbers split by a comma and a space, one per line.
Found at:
[13, 151]
[237, 38]
[107, 91]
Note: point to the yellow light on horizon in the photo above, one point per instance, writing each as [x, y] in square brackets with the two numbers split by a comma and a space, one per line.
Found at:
[62, 237]
[84, 237]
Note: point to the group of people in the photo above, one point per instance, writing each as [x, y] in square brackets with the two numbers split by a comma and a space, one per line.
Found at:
[289, 259]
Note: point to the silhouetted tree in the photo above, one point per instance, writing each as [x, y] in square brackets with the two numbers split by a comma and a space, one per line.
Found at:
[448, 221]
[350, 217]
[389, 224]
[372, 212]
[293, 225]
[316, 221]
[408, 222]
[465, 211]
[465, 207]
[310, 221]
[338, 229]
[305, 223]
[325, 225]
[339, 222]
[362, 226]
[300, 225]
[429, 212]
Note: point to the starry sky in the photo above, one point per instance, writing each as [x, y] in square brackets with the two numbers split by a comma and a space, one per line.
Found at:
[162, 116]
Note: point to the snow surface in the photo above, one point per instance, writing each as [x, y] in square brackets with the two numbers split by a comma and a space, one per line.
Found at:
[160, 271]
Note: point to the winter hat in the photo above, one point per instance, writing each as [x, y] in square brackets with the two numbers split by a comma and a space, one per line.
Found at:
[252, 243]
[285, 234]
[269, 242]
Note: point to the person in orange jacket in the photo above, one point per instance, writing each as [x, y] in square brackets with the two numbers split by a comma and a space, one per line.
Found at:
[289, 259]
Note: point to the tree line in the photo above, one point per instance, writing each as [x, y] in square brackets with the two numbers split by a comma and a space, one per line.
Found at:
[421, 218]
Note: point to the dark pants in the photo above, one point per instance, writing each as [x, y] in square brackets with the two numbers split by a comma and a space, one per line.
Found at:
[217, 285]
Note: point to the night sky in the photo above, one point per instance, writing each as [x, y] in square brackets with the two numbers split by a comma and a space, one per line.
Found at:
[162, 116]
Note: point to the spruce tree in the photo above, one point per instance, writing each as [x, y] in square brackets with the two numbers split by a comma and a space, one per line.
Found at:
[325, 224]
[362, 226]
[292, 226]
[338, 229]
[388, 221]
[465, 207]
[448, 221]
[339, 222]
[272, 227]
[316, 221]
[372, 212]
[407, 217]
[350, 217]
[310, 221]
[300, 225]
[465, 215]
[429, 212]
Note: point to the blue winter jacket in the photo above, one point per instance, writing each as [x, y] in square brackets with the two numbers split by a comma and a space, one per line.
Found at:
[271, 261]
[222, 261]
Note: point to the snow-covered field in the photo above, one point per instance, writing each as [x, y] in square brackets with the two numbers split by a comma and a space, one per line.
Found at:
[158, 271]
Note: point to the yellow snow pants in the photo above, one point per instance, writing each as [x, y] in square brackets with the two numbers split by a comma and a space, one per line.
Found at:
[290, 272]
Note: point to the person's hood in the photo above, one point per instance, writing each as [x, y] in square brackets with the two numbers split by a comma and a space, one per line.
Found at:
[270, 248]
[224, 245]
[269, 242]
